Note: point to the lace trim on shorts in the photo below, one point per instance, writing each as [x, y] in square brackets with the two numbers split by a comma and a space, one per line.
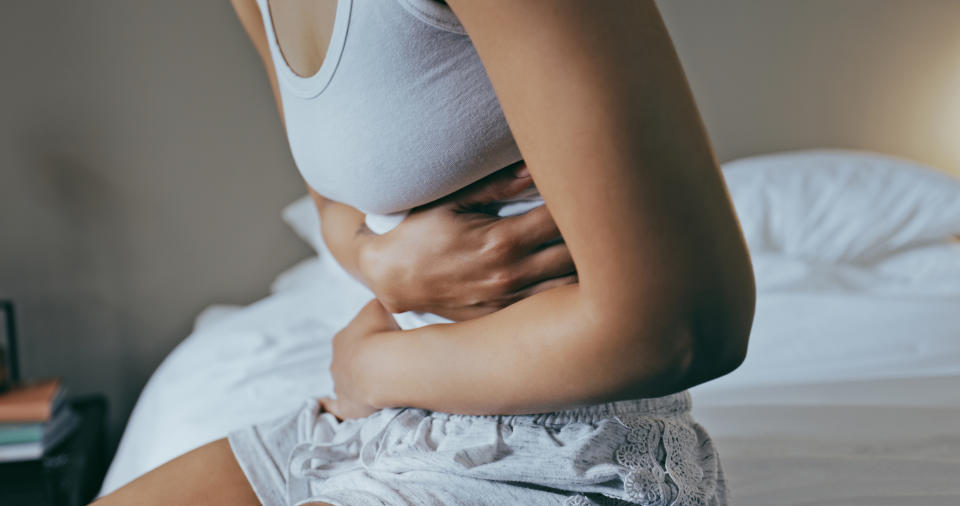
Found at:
[667, 463]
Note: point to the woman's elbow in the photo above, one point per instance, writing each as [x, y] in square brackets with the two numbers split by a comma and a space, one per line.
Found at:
[697, 349]
[692, 356]
[717, 337]
[679, 339]
[725, 353]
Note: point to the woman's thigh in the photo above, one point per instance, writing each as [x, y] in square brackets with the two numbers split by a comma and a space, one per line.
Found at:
[208, 475]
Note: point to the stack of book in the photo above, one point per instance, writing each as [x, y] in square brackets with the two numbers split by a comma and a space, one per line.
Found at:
[34, 419]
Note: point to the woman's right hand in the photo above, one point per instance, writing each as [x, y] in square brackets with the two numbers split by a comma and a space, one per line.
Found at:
[457, 259]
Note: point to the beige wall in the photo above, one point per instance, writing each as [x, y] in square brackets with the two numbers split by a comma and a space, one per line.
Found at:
[787, 74]
[142, 166]
[142, 173]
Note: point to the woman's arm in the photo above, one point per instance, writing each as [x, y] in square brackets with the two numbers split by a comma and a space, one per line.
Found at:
[597, 100]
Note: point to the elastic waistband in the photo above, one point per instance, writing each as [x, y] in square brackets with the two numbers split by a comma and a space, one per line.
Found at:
[673, 404]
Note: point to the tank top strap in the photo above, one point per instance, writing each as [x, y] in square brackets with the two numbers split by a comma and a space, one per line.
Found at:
[313, 85]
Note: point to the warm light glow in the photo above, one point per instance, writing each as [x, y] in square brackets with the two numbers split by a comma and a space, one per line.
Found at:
[948, 124]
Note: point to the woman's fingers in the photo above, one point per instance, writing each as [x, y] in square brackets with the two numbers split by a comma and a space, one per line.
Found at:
[539, 271]
[498, 303]
[532, 229]
[500, 185]
[542, 286]
[551, 262]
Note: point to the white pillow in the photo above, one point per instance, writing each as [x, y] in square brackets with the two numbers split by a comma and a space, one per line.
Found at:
[841, 206]
[302, 217]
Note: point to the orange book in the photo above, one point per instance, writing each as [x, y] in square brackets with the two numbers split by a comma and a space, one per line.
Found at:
[30, 402]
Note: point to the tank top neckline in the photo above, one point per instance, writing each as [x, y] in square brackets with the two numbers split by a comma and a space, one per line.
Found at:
[312, 85]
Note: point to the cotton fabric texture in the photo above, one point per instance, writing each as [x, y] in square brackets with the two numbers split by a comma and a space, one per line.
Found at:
[401, 111]
[645, 451]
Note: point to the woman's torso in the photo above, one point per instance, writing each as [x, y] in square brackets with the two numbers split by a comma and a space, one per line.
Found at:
[399, 112]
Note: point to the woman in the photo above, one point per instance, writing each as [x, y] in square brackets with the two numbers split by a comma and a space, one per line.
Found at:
[570, 391]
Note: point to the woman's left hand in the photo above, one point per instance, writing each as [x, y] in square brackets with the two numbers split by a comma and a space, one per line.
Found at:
[372, 319]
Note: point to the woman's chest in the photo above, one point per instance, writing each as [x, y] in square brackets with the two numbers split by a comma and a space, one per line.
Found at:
[405, 115]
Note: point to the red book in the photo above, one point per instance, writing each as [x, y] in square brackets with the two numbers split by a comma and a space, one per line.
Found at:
[31, 402]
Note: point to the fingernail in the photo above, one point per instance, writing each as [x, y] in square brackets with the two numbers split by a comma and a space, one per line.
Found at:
[523, 171]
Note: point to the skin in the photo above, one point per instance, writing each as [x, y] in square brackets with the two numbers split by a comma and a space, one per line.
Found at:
[665, 292]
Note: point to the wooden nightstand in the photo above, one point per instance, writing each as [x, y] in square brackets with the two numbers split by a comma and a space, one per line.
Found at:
[70, 474]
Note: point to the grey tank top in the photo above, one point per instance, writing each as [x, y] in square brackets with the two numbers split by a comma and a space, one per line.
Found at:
[400, 113]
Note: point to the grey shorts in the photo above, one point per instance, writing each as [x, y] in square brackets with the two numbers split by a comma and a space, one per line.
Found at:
[644, 451]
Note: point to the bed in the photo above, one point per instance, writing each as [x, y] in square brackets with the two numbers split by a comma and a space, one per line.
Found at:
[850, 393]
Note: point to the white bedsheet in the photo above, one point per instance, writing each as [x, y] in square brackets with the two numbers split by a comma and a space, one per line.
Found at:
[239, 366]
[859, 404]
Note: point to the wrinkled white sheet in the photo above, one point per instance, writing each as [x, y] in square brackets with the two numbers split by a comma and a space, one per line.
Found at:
[239, 366]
